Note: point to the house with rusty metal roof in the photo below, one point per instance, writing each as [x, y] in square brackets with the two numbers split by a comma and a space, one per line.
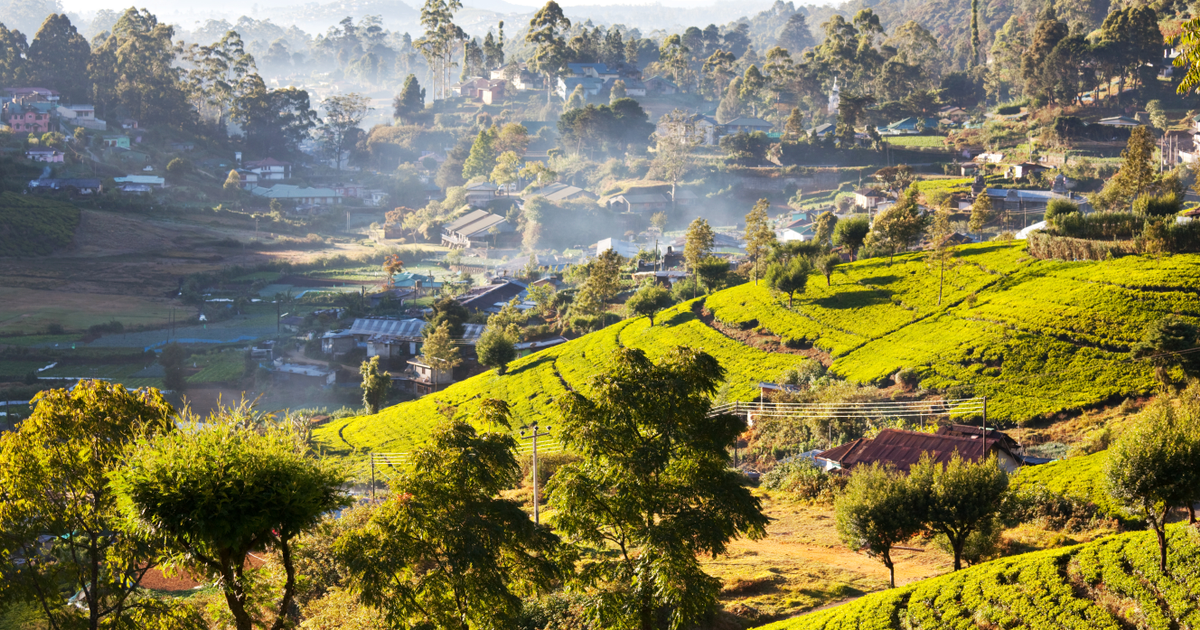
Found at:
[901, 449]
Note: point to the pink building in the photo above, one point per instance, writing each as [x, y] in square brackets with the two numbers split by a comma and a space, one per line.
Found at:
[31, 118]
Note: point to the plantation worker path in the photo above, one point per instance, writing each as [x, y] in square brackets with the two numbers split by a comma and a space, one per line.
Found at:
[801, 565]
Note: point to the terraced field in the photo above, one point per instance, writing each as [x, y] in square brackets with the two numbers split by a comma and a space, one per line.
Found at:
[1109, 584]
[1035, 337]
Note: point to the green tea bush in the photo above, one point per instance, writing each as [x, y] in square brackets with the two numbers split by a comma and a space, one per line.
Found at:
[35, 226]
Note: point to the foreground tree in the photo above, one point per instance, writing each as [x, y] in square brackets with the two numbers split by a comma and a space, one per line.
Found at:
[375, 385]
[789, 278]
[439, 352]
[1162, 345]
[877, 511]
[223, 489]
[941, 252]
[343, 114]
[653, 490]
[59, 511]
[827, 264]
[899, 226]
[962, 497]
[981, 213]
[1151, 469]
[550, 47]
[759, 235]
[409, 102]
[445, 551]
[647, 301]
[496, 348]
[698, 243]
[850, 233]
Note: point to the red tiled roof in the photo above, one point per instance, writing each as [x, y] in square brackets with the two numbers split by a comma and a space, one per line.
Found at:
[902, 449]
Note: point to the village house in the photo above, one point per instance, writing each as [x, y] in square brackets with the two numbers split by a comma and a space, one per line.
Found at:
[633, 87]
[139, 183]
[643, 203]
[481, 194]
[115, 141]
[477, 228]
[869, 198]
[747, 125]
[27, 117]
[660, 86]
[1025, 169]
[79, 186]
[624, 248]
[699, 127]
[559, 191]
[492, 297]
[81, 115]
[901, 449]
[338, 342]
[30, 94]
[301, 196]
[44, 155]
[566, 86]
[399, 339]
[270, 169]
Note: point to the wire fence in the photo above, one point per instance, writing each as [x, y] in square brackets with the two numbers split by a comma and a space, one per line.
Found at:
[918, 409]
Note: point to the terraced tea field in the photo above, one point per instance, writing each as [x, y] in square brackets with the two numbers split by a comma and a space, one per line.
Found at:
[1109, 584]
[1035, 337]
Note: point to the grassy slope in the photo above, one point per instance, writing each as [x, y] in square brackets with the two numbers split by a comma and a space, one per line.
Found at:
[32, 226]
[1039, 337]
[1108, 584]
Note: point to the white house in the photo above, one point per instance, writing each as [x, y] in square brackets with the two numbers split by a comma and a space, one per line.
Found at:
[298, 195]
[81, 116]
[269, 169]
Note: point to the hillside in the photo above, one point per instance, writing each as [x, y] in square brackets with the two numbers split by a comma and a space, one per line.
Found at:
[1080, 478]
[1108, 584]
[1036, 337]
[31, 226]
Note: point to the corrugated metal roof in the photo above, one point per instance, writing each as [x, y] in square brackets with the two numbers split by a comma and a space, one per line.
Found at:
[405, 328]
[902, 449]
[480, 225]
[467, 219]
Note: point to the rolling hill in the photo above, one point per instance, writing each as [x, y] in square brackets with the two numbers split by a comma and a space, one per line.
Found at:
[1036, 337]
[1108, 584]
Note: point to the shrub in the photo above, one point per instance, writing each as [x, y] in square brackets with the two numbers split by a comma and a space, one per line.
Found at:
[908, 378]
[802, 477]
[548, 464]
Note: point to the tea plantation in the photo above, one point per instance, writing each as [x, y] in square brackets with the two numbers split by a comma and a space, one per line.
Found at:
[1106, 585]
[33, 226]
[1035, 337]
[1080, 478]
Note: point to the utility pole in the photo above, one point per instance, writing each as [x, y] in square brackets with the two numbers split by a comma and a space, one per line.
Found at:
[534, 433]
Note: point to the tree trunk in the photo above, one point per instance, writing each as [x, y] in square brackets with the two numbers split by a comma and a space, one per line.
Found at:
[957, 543]
[891, 567]
[941, 281]
[235, 597]
[1160, 532]
[289, 587]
